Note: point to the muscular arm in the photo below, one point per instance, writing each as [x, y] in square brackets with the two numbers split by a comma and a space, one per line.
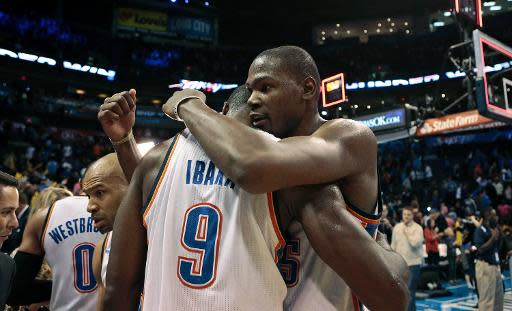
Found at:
[117, 117]
[96, 269]
[127, 259]
[129, 157]
[260, 164]
[29, 258]
[376, 274]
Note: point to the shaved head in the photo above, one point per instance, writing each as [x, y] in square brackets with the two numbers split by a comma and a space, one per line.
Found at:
[105, 185]
[238, 99]
[105, 167]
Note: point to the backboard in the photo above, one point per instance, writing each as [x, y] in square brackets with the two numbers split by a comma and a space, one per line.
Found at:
[493, 61]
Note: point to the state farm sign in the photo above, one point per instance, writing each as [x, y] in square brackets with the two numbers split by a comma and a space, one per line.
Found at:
[452, 122]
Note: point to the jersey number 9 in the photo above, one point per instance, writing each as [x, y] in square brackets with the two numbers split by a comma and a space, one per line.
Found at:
[200, 236]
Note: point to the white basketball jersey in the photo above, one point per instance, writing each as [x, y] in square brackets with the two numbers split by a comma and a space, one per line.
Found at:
[104, 258]
[69, 239]
[211, 245]
[312, 284]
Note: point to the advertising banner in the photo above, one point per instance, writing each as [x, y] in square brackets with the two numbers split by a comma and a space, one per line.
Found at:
[387, 120]
[141, 20]
[467, 120]
[192, 28]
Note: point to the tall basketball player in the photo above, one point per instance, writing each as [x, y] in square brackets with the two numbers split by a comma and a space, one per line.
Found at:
[327, 196]
[285, 88]
[210, 244]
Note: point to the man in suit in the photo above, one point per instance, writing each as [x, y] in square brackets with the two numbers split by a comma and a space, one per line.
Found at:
[22, 213]
[8, 222]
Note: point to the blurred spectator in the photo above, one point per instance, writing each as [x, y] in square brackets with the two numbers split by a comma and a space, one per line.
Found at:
[488, 274]
[506, 248]
[408, 241]
[432, 243]
[48, 197]
[468, 256]
[386, 225]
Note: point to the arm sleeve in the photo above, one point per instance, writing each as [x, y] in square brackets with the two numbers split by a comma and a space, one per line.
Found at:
[478, 238]
[26, 290]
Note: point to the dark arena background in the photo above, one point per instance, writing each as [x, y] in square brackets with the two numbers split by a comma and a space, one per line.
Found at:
[432, 79]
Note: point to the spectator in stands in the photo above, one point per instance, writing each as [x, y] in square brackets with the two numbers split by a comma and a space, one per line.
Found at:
[48, 197]
[386, 224]
[440, 220]
[506, 248]
[432, 243]
[488, 274]
[468, 259]
[407, 240]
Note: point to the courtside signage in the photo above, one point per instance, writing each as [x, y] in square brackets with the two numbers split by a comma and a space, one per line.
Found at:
[384, 121]
[452, 122]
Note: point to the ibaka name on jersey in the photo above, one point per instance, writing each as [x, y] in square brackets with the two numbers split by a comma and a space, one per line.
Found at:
[72, 227]
[202, 173]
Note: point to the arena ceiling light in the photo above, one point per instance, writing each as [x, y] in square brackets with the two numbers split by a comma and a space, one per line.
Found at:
[210, 87]
[28, 57]
[110, 74]
[145, 147]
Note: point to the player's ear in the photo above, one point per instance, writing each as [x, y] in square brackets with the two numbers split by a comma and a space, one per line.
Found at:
[225, 108]
[311, 88]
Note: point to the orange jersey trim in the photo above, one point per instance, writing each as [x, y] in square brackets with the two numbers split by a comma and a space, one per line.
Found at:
[275, 225]
[162, 175]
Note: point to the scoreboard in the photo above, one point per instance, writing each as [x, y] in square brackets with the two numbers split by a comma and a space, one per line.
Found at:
[333, 90]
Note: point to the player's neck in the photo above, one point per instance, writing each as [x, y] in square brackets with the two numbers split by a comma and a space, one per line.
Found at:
[309, 124]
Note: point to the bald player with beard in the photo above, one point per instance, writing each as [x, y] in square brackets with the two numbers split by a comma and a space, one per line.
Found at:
[105, 186]
[314, 206]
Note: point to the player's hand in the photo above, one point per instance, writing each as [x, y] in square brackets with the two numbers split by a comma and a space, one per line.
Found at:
[117, 114]
[180, 97]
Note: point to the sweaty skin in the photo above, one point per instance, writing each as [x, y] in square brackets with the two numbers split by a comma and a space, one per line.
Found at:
[96, 270]
[105, 185]
[125, 278]
[312, 151]
[315, 207]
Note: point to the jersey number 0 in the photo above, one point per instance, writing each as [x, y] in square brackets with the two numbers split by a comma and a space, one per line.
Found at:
[200, 236]
[82, 264]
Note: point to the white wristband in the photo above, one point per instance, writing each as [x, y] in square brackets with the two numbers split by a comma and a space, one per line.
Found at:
[179, 103]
